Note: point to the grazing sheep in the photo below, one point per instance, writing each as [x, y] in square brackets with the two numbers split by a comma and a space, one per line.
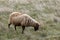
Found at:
[24, 20]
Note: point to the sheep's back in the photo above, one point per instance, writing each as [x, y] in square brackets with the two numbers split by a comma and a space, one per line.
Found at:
[24, 19]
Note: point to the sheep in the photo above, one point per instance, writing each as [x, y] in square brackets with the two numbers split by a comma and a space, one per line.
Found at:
[24, 20]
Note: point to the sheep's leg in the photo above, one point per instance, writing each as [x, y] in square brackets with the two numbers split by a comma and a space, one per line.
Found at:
[23, 28]
[9, 25]
[15, 27]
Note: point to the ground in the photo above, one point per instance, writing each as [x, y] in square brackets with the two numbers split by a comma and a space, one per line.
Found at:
[46, 12]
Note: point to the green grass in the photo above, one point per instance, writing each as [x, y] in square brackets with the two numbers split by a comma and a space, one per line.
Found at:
[44, 11]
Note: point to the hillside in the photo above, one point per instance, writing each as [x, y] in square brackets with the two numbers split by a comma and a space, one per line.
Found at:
[47, 12]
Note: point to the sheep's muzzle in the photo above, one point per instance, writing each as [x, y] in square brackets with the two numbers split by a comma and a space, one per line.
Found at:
[36, 27]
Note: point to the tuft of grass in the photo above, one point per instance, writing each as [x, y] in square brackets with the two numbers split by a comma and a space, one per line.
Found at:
[48, 10]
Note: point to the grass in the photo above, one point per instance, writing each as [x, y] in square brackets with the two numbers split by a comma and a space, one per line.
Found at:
[44, 11]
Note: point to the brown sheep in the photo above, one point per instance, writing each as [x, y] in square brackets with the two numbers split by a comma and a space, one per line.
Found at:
[24, 20]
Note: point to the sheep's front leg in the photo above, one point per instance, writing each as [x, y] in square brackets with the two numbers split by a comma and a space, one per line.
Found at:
[23, 28]
[15, 27]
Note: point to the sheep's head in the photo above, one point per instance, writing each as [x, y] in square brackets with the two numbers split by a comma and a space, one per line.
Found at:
[36, 27]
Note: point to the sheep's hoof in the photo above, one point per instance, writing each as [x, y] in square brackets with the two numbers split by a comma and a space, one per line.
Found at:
[22, 32]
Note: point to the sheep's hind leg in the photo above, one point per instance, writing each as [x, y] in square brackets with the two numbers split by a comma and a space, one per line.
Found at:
[23, 28]
[9, 25]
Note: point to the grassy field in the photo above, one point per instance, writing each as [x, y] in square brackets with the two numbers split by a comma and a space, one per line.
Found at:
[47, 12]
